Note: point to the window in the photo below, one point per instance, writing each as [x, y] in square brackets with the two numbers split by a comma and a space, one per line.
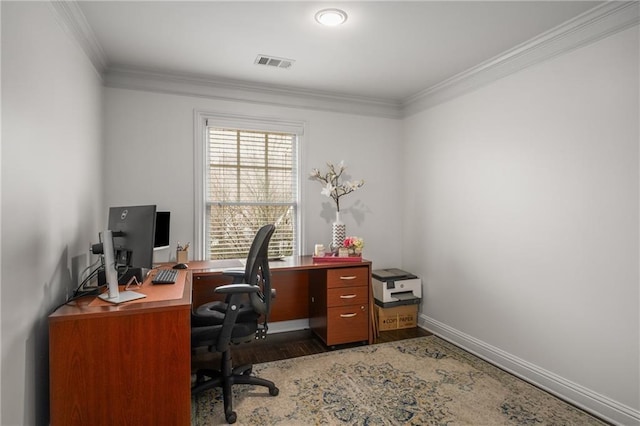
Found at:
[250, 179]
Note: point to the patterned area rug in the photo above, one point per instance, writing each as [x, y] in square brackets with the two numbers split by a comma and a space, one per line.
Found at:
[422, 381]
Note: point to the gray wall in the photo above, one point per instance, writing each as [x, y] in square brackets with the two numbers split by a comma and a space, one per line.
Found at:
[51, 193]
[145, 128]
[524, 222]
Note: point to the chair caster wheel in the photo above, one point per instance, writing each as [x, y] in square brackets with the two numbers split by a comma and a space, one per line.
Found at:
[274, 392]
[231, 417]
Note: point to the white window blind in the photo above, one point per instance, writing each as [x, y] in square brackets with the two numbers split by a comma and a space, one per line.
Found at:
[251, 181]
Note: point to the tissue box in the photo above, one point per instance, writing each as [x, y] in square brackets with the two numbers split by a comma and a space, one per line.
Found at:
[397, 317]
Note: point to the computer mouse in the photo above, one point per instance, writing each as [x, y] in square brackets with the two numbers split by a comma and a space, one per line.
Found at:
[180, 266]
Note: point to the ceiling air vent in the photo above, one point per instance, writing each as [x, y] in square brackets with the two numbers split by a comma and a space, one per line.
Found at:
[272, 61]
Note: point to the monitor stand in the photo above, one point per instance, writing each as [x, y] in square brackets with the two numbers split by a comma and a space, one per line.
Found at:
[123, 296]
[112, 275]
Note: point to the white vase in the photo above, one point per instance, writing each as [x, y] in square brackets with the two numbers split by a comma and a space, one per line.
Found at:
[338, 233]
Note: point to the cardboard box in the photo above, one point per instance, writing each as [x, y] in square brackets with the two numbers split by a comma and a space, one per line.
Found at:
[397, 317]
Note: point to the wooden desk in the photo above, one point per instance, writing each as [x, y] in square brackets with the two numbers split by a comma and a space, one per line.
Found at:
[123, 364]
[131, 363]
[306, 289]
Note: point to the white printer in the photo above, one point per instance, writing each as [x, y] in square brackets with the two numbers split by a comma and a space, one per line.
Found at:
[395, 287]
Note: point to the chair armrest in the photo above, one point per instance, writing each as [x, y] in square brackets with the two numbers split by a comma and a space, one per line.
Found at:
[236, 289]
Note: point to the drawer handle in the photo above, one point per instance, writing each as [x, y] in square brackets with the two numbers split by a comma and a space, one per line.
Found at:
[347, 296]
[350, 277]
[348, 315]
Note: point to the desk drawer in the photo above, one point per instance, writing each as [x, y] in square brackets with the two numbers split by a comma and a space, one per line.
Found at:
[351, 277]
[347, 324]
[343, 296]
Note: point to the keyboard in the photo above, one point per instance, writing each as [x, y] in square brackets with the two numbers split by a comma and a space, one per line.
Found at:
[165, 276]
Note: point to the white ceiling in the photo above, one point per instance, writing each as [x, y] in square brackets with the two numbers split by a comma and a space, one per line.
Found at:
[386, 50]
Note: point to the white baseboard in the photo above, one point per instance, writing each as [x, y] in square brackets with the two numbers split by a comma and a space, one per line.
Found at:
[586, 399]
[284, 326]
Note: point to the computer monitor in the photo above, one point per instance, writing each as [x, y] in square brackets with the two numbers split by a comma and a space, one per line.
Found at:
[133, 229]
[163, 222]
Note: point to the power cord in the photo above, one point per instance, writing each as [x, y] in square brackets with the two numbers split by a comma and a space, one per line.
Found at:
[80, 291]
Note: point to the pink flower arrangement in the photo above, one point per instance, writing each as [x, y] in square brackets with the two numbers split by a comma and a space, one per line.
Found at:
[353, 243]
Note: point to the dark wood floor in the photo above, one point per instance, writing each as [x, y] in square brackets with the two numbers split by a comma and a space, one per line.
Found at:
[294, 344]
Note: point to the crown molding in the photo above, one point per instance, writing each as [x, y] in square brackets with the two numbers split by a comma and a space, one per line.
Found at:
[74, 22]
[593, 25]
[599, 22]
[231, 90]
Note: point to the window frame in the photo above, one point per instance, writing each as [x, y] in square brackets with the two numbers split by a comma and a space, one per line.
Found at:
[204, 119]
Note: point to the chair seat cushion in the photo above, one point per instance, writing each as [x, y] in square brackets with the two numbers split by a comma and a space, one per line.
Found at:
[208, 335]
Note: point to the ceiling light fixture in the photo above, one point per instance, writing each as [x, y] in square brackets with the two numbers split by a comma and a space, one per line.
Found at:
[331, 17]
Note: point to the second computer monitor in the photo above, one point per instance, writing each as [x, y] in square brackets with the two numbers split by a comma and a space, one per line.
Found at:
[163, 226]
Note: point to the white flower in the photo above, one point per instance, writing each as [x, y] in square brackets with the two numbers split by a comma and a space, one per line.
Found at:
[327, 190]
[353, 185]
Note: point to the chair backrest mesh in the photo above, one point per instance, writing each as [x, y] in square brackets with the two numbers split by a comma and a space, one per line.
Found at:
[257, 269]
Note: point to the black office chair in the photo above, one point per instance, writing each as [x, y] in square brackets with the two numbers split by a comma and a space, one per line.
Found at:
[213, 313]
[248, 299]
